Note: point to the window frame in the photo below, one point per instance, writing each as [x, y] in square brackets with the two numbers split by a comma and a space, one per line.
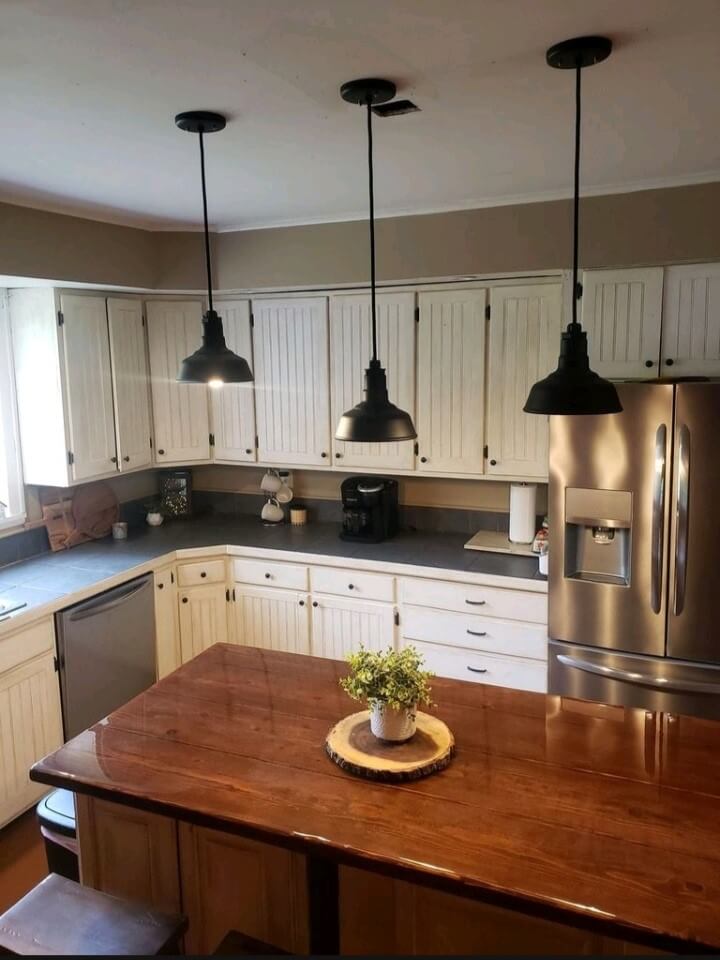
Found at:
[9, 428]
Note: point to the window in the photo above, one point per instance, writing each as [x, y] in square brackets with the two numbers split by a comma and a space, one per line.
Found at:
[12, 501]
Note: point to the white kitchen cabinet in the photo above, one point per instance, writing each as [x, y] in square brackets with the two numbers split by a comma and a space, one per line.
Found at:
[233, 405]
[271, 618]
[202, 617]
[180, 410]
[523, 347]
[290, 347]
[341, 626]
[130, 381]
[81, 385]
[451, 381]
[30, 716]
[622, 315]
[167, 635]
[350, 353]
[691, 321]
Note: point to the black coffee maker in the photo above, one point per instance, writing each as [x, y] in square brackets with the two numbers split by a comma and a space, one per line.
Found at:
[370, 509]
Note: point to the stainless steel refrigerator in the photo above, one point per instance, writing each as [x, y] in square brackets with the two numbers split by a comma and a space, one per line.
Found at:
[634, 576]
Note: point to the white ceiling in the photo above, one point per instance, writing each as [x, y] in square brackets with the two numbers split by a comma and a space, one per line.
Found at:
[89, 89]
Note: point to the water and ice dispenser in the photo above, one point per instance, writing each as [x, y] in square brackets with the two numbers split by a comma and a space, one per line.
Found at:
[598, 535]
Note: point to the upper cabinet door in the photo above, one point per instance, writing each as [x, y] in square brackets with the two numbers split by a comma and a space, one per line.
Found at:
[691, 321]
[131, 386]
[451, 381]
[291, 380]
[621, 312]
[180, 410]
[523, 347]
[233, 405]
[350, 352]
[88, 386]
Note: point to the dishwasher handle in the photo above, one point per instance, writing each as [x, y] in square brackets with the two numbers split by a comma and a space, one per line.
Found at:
[108, 601]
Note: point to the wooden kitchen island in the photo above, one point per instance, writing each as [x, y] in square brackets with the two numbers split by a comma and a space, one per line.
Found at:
[560, 827]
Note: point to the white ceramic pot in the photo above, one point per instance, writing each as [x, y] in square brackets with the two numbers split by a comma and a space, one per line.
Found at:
[393, 723]
[154, 519]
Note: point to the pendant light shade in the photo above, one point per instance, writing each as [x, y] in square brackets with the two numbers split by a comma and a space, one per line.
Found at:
[573, 388]
[213, 362]
[375, 419]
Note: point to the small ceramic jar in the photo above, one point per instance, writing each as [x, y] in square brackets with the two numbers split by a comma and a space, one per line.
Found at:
[154, 518]
[395, 724]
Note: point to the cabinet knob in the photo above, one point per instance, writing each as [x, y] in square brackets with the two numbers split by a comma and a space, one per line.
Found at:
[248, 450]
[315, 603]
[160, 586]
[351, 586]
[202, 573]
[161, 452]
[337, 456]
[669, 362]
[649, 363]
[302, 603]
[423, 459]
[493, 463]
[184, 599]
[324, 455]
[126, 459]
[268, 576]
[113, 459]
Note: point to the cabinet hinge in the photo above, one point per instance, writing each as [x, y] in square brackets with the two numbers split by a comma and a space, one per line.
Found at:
[61, 318]
[417, 448]
[233, 594]
[417, 314]
[151, 445]
[71, 458]
[144, 318]
[487, 311]
[212, 439]
[257, 441]
[252, 319]
[172, 577]
[397, 618]
[485, 451]
[578, 291]
[56, 665]
[227, 595]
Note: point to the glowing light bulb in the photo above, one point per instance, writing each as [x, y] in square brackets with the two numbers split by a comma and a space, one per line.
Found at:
[215, 383]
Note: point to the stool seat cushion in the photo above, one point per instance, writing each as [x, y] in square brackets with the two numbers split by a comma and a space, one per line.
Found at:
[61, 918]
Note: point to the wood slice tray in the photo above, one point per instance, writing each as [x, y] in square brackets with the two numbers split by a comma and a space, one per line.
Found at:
[354, 748]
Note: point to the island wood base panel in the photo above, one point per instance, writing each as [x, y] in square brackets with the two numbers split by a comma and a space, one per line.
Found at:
[225, 882]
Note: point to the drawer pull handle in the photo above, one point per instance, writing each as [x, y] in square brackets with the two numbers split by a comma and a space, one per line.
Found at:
[268, 576]
[184, 599]
[160, 586]
[477, 633]
[202, 573]
[477, 669]
[476, 603]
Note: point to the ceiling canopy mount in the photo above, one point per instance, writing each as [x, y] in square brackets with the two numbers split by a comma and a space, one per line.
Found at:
[578, 52]
[368, 91]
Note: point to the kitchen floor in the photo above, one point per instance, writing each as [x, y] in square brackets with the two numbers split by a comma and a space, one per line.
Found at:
[22, 859]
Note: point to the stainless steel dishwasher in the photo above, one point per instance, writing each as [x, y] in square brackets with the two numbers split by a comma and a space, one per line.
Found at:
[106, 653]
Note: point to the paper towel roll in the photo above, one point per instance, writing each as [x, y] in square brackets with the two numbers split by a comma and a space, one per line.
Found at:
[522, 512]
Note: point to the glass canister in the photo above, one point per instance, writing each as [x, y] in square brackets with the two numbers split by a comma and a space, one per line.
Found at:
[176, 493]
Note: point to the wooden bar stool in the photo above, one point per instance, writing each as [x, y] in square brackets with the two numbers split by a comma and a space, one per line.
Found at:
[60, 918]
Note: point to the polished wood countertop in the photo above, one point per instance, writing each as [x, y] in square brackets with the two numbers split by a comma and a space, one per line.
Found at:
[594, 814]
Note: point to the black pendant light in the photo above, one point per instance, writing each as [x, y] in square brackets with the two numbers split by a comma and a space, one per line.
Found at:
[574, 388]
[213, 363]
[374, 419]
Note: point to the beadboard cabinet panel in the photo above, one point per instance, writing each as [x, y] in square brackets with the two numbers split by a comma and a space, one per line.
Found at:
[350, 353]
[180, 410]
[88, 385]
[167, 635]
[341, 626]
[130, 380]
[271, 618]
[203, 618]
[290, 347]
[622, 315]
[523, 346]
[451, 381]
[691, 321]
[233, 405]
[30, 728]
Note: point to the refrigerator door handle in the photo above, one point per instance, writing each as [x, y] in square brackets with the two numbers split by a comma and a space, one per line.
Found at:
[658, 519]
[640, 679]
[681, 518]
[102, 604]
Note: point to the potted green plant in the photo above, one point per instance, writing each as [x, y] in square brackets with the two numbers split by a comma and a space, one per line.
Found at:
[393, 685]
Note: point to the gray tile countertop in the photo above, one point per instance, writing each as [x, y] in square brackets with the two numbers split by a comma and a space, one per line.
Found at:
[50, 577]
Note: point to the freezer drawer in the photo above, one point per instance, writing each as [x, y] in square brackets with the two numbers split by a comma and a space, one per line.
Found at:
[622, 679]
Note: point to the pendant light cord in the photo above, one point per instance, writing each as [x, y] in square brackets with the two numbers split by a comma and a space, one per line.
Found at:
[576, 197]
[205, 221]
[371, 190]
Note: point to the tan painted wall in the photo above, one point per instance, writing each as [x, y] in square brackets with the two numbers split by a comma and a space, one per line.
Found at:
[51, 246]
[630, 229]
[414, 491]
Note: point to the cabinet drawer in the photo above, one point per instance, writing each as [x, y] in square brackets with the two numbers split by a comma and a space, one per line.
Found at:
[352, 583]
[192, 574]
[26, 644]
[290, 576]
[459, 664]
[475, 633]
[470, 598]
